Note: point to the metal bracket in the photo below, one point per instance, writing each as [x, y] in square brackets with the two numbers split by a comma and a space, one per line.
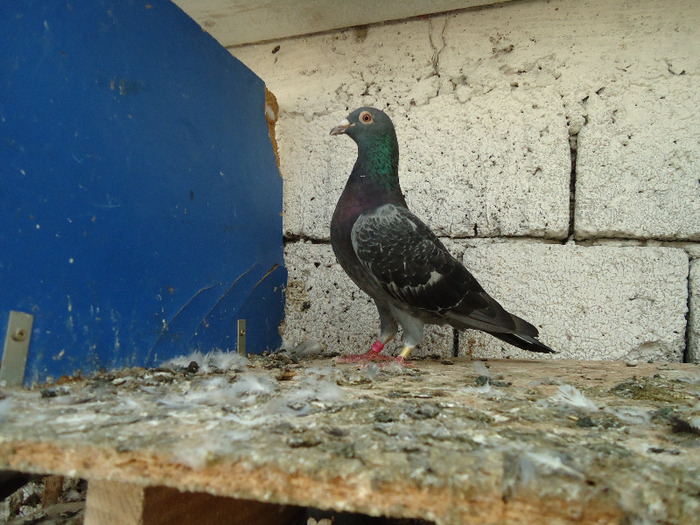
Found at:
[240, 338]
[16, 349]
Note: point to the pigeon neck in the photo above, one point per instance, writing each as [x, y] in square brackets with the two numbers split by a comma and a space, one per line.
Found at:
[378, 161]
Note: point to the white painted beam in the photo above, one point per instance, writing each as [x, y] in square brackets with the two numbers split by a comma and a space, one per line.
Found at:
[236, 22]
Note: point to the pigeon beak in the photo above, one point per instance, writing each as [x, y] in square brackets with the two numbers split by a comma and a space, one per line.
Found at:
[340, 128]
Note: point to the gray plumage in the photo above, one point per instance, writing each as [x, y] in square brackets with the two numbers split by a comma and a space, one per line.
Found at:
[397, 260]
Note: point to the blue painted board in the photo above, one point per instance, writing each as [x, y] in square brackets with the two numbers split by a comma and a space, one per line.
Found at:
[140, 202]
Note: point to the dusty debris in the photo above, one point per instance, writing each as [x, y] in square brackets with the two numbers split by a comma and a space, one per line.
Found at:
[556, 438]
[25, 506]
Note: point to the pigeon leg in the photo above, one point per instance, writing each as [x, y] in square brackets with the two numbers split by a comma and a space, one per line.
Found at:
[405, 354]
[412, 335]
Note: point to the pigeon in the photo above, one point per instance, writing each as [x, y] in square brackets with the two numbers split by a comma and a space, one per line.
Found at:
[396, 259]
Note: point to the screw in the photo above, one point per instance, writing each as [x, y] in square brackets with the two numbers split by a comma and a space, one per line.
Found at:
[19, 335]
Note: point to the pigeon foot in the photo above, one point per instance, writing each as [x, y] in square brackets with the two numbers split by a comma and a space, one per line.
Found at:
[401, 361]
[405, 354]
[373, 354]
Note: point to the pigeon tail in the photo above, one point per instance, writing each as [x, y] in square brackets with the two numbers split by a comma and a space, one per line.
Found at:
[524, 341]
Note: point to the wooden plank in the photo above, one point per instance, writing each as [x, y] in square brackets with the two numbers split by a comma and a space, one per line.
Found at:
[236, 22]
[53, 488]
[114, 503]
[118, 503]
[544, 442]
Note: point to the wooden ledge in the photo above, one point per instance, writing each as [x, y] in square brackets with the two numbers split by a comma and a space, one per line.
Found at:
[509, 442]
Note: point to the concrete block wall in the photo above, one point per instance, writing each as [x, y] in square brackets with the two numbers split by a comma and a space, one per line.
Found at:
[554, 146]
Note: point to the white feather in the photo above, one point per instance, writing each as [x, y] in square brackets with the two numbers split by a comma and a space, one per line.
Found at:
[216, 360]
[572, 396]
[6, 408]
[543, 463]
[632, 415]
[227, 360]
[484, 389]
[434, 277]
[253, 385]
[371, 371]
[480, 369]
[694, 422]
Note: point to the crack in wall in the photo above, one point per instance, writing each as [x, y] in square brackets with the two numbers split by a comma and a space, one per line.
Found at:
[575, 126]
[291, 238]
[687, 357]
[573, 149]
[433, 36]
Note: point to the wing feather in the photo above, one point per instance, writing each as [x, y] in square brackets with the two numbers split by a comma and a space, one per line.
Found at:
[412, 265]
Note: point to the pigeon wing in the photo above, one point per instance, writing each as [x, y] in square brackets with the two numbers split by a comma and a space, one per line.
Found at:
[410, 264]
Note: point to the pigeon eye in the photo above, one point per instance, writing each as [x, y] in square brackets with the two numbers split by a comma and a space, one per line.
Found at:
[365, 117]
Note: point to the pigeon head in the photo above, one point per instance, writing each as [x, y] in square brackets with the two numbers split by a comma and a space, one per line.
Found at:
[374, 134]
[365, 124]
